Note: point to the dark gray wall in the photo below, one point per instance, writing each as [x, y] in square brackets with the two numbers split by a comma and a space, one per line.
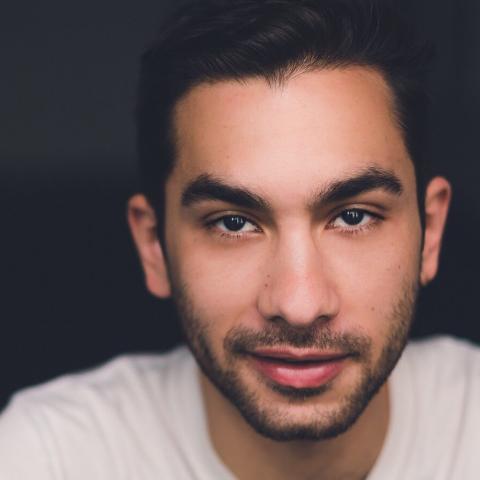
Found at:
[72, 292]
[68, 79]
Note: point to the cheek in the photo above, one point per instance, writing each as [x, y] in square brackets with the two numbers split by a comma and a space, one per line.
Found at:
[222, 280]
[372, 278]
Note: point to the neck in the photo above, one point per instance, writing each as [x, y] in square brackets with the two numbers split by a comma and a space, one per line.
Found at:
[349, 456]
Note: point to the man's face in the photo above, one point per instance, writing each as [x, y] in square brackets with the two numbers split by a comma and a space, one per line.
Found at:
[293, 243]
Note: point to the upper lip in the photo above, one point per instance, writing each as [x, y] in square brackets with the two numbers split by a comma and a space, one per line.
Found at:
[298, 356]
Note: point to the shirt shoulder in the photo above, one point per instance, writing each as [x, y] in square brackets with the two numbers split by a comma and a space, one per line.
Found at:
[456, 352]
[436, 389]
[97, 423]
[445, 376]
[121, 374]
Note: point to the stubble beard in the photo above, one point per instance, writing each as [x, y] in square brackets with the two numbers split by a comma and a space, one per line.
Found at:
[272, 421]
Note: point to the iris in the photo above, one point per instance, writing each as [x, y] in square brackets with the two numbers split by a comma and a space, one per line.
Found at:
[352, 217]
[234, 222]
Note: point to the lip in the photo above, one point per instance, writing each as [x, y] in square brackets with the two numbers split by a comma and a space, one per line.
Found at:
[299, 355]
[297, 369]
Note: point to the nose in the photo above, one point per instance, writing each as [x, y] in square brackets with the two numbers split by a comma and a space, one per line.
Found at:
[299, 285]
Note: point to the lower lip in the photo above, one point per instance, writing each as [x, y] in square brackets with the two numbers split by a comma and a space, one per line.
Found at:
[301, 375]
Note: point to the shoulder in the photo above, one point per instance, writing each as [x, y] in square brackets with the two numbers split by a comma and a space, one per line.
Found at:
[82, 418]
[444, 372]
[443, 375]
[126, 379]
[112, 377]
[443, 344]
[443, 360]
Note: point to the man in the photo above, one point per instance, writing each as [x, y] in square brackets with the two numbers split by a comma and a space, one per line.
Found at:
[287, 213]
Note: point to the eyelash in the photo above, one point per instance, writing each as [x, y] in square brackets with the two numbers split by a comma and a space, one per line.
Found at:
[211, 225]
[375, 220]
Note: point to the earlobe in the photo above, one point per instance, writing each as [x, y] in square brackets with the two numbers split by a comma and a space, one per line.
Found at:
[437, 202]
[143, 227]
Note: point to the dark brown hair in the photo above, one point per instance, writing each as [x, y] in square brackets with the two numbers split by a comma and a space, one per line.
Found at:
[210, 41]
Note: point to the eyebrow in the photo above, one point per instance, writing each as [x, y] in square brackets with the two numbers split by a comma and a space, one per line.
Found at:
[207, 187]
[372, 178]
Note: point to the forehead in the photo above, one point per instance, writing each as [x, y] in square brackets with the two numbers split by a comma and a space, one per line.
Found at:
[319, 125]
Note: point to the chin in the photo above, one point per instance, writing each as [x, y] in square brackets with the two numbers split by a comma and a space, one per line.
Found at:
[312, 422]
[290, 414]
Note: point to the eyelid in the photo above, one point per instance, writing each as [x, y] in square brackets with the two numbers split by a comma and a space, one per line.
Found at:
[211, 219]
[375, 208]
[216, 216]
[375, 219]
[210, 224]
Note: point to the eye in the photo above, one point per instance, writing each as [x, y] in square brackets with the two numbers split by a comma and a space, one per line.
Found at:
[354, 219]
[234, 224]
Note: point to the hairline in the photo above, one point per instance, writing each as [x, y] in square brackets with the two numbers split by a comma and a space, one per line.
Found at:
[285, 74]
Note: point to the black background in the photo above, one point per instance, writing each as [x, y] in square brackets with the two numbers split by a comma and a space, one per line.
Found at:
[72, 292]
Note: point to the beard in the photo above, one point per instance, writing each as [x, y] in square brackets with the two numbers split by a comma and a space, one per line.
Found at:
[271, 419]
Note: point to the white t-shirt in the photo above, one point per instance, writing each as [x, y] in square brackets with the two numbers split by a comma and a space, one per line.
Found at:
[142, 418]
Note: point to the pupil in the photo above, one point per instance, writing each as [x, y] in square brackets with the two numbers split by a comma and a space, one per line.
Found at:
[352, 217]
[234, 223]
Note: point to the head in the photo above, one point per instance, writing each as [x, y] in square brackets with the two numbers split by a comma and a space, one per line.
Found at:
[285, 207]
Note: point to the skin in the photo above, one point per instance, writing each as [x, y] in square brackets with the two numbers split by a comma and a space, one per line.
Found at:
[296, 266]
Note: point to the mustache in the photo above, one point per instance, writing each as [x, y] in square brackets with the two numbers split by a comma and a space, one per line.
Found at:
[241, 340]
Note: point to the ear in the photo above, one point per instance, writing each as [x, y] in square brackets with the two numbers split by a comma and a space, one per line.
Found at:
[437, 201]
[143, 227]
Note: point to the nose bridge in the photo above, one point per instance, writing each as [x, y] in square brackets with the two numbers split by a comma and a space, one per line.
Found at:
[298, 288]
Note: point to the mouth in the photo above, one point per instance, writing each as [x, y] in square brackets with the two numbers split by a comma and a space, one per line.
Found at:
[298, 369]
